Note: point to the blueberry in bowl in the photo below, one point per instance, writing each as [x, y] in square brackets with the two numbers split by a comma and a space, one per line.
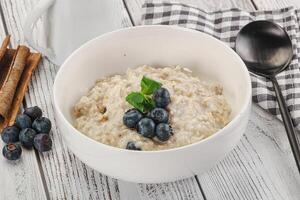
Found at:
[161, 97]
[159, 115]
[132, 146]
[146, 127]
[132, 117]
[163, 132]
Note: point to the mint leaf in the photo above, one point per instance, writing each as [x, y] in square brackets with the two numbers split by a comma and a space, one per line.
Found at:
[149, 86]
[140, 101]
[149, 103]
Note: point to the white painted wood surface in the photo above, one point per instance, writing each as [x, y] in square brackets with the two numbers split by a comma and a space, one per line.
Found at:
[260, 167]
[20, 180]
[266, 4]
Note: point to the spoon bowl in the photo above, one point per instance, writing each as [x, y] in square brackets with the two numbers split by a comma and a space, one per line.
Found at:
[265, 47]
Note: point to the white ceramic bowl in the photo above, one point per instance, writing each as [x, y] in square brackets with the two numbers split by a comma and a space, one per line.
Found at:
[113, 53]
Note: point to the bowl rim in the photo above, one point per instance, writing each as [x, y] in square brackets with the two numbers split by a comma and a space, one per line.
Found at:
[220, 132]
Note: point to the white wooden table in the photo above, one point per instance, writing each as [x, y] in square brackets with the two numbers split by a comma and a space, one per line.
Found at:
[260, 167]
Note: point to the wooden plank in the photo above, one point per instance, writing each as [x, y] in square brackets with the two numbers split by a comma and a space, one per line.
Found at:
[134, 6]
[20, 179]
[182, 189]
[65, 176]
[274, 4]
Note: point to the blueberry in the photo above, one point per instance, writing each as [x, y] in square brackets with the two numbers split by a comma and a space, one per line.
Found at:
[23, 121]
[33, 112]
[26, 137]
[42, 142]
[146, 127]
[131, 118]
[131, 146]
[163, 131]
[10, 134]
[159, 115]
[42, 125]
[12, 151]
[161, 97]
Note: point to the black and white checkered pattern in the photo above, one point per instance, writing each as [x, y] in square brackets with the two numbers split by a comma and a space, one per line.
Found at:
[224, 25]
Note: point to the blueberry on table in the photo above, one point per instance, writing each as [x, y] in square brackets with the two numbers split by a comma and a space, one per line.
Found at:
[10, 134]
[131, 146]
[42, 125]
[26, 137]
[42, 142]
[23, 121]
[131, 118]
[33, 112]
[146, 127]
[163, 131]
[159, 115]
[12, 151]
[161, 97]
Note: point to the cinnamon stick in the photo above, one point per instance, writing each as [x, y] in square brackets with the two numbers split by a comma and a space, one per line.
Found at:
[3, 60]
[8, 89]
[32, 62]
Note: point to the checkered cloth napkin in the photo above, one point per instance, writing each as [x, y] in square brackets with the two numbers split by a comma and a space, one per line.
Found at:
[224, 25]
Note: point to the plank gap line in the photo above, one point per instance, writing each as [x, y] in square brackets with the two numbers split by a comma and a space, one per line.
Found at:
[254, 5]
[41, 171]
[129, 14]
[200, 187]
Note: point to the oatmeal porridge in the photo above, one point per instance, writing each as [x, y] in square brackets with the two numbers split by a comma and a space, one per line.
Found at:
[197, 108]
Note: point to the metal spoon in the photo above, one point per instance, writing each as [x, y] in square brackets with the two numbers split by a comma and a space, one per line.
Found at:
[267, 50]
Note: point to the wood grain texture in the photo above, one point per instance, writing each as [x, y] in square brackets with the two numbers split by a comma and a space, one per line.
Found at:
[66, 177]
[260, 167]
[20, 179]
[134, 6]
[274, 4]
[182, 189]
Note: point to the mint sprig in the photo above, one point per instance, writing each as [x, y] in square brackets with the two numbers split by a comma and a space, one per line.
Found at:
[141, 100]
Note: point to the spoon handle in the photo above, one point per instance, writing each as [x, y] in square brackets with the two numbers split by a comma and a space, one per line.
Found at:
[287, 121]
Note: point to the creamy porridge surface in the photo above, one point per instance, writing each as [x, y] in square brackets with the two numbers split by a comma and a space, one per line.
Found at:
[197, 110]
